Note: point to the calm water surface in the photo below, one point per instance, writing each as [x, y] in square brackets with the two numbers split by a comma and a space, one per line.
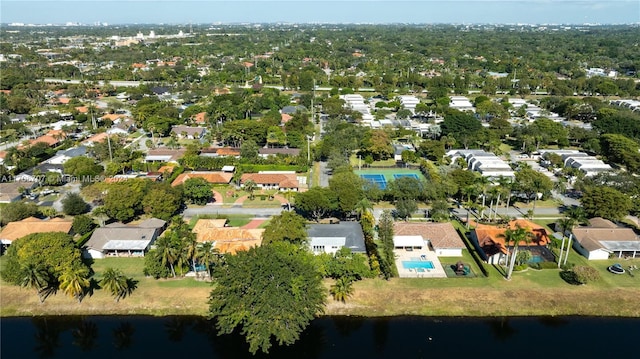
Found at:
[329, 337]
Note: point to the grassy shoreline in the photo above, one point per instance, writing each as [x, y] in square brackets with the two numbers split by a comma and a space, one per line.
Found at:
[372, 298]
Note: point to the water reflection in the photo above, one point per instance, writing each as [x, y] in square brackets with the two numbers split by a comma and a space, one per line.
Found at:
[123, 336]
[327, 337]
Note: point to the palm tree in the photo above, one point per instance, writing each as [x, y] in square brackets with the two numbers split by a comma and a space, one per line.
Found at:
[35, 277]
[566, 224]
[117, 283]
[207, 254]
[250, 186]
[167, 252]
[342, 289]
[190, 248]
[85, 335]
[363, 206]
[75, 281]
[514, 236]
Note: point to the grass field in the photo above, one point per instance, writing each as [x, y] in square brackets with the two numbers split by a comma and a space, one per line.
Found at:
[529, 292]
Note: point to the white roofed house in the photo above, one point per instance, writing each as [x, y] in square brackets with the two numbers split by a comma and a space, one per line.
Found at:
[461, 103]
[118, 239]
[486, 163]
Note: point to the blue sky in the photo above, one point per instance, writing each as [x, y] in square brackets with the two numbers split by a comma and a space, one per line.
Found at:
[305, 11]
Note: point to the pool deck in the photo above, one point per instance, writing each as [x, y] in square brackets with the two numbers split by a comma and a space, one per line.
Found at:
[404, 255]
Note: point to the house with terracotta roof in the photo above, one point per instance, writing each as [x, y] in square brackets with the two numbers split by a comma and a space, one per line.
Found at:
[31, 225]
[602, 239]
[228, 240]
[282, 181]
[211, 177]
[123, 240]
[200, 118]
[490, 242]
[97, 138]
[441, 237]
[220, 152]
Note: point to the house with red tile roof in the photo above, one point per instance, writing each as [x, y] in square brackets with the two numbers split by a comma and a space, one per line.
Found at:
[282, 181]
[211, 177]
[31, 225]
[230, 240]
[200, 118]
[490, 241]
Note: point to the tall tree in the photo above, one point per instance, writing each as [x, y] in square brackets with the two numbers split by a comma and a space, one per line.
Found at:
[288, 227]
[270, 292]
[385, 235]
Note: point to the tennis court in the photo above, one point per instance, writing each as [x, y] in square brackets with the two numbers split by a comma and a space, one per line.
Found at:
[376, 179]
[410, 175]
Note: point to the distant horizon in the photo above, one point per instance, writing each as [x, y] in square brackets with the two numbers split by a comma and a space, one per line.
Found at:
[369, 12]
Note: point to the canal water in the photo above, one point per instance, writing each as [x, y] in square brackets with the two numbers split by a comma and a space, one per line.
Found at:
[327, 337]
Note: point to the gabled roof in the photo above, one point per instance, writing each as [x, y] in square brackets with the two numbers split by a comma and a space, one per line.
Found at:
[30, 225]
[227, 239]
[490, 237]
[285, 180]
[121, 238]
[351, 231]
[440, 235]
[604, 234]
[211, 177]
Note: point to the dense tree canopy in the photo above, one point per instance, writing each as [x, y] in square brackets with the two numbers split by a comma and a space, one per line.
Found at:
[271, 293]
[53, 251]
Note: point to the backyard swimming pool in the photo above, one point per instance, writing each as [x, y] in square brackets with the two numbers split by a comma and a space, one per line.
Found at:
[418, 264]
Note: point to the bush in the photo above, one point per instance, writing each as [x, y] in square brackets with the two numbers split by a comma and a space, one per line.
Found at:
[82, 224]
[520, 267]
[153, 266]
[73, 204]
[585, 274]
[547, 265]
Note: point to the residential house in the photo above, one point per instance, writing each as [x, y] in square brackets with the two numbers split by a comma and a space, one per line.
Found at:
[164, 155]
[228, 240]
[200, 118]
[281, 181]
[31, 225]
[486, 163]
[97, 138]
[441, 237]
[37, 173]
[188, 132]
[12, 191]
[63, 156]
[490, 242]
[329, 238]
[123, 240]
[211, 177]
[220, 152]
[266, 152]
[602, 239]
